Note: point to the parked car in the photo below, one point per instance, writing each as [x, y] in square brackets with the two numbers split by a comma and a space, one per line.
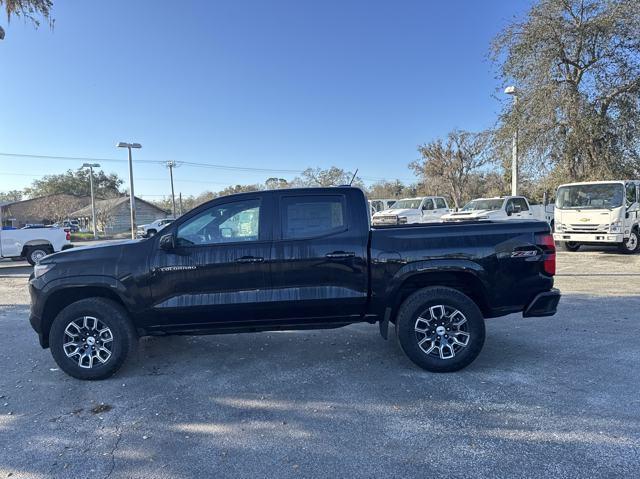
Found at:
[151, 229]
[72, 225]
[502, 208]
[292, 259]
[598, 212]
[32, 243]
[426, 209]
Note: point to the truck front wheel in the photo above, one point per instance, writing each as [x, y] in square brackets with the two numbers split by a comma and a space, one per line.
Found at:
[440, 329]
[91, 338]
[632, 244]
[570, 246]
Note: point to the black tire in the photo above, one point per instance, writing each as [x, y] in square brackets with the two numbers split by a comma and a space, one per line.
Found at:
[36, 253]
[151, 233]
[632, 244]
[109, 314]
[409, 317]
[570, 246]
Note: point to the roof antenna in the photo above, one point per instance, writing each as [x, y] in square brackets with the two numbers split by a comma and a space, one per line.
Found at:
[353, 177]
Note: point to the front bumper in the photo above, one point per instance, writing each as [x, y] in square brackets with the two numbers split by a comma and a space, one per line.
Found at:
[35, 313]
[544, 304]
[589, 237]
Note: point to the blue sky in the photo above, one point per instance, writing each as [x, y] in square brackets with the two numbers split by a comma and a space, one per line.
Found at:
[265, 84]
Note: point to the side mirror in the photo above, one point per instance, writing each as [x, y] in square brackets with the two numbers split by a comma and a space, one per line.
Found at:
[167, 242]
[509, 209]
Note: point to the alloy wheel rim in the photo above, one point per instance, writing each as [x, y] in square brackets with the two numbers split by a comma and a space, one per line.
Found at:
[442, 331]
[37, 255]
[632, 242]
[88, 341]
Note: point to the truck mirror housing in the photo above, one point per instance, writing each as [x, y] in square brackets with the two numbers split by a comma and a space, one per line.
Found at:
[167, 242]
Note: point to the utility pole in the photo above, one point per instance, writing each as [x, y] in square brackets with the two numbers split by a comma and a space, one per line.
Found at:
[132, 201]
[511, 90]
[171, 165]
[91, 166]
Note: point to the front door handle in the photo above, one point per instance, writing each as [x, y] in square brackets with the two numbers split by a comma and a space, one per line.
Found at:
[250, 259]
[340, 254]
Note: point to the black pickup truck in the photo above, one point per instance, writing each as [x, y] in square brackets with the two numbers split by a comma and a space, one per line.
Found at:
[293, 259]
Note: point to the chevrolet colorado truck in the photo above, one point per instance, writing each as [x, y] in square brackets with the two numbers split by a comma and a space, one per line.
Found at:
[289, 260]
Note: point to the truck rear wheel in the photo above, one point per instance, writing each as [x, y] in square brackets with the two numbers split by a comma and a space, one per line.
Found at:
[36, 253]
[570, 246]
[91, 338]
[631, 245]
[440, 329]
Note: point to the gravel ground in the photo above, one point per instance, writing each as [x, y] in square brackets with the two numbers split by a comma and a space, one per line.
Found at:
[547, 397]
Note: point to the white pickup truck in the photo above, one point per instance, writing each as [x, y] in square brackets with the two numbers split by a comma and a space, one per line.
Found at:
[33, 243]
[427, 209]
[502, 208]
[146, 231]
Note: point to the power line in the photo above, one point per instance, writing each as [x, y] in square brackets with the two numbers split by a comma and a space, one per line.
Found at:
[194, 164]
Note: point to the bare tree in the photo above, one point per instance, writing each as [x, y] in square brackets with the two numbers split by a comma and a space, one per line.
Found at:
[576, 67]
[453, 161]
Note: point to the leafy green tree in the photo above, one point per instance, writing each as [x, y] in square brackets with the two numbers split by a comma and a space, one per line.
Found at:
[576, 68]
[76, 182]
[11, 196]
[30, 10]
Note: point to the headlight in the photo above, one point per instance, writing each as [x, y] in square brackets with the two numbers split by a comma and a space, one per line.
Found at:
[559, 228]
[615, 227]
[41, 269]
[402, 220]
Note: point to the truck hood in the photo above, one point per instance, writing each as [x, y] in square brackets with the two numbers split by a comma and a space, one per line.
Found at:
[86, 254]
[397, 212]
[469, 215]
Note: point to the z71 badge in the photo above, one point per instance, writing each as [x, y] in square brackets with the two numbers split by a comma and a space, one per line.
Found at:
[524, 253]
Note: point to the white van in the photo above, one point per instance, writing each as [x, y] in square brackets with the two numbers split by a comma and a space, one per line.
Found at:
[598, 212]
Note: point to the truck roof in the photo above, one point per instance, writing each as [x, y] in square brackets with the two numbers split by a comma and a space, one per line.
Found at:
[597, 182]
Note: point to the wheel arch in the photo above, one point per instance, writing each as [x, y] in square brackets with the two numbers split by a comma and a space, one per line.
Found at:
[464, 281]
[46, 244]
[63, 297]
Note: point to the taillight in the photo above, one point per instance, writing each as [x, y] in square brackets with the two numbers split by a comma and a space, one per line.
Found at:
[545, 241]
[68, 236]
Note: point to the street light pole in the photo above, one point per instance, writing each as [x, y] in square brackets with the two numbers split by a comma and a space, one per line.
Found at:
[91, 166]
[171, 165]
[132, 201]
[511, 90]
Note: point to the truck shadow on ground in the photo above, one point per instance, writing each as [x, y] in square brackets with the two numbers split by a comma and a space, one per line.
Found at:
[547, 397]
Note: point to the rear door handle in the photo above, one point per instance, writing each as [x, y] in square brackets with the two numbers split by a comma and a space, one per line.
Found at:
[250, 259]
[340, 254]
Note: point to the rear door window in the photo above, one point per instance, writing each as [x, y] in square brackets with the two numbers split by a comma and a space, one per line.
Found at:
[309, 216]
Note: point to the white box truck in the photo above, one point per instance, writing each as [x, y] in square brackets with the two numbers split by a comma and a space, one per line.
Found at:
[598, 212]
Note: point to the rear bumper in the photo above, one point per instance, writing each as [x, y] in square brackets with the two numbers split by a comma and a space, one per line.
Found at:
[589, 237]
[544, 304]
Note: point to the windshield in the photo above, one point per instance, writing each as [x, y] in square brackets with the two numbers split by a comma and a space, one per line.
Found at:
[483, 205]
[407, 204]
[601, 196]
